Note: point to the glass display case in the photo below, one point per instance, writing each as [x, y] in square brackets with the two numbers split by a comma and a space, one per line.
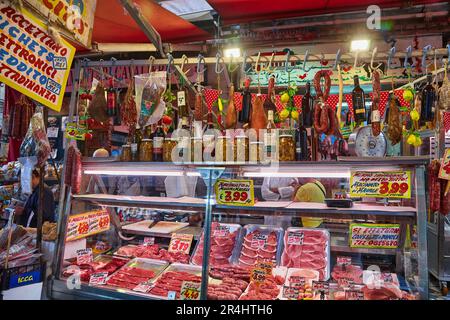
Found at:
[153, 229]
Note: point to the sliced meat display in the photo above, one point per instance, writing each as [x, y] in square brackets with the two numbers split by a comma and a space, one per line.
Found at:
[307, 249]
[130, 277]
[153, 252]
[384, 286]
[172, 281]
[350, 273]
[259, 245]
[230, 271]
[229, 289]
[268, 290]
[223, 241]
[86, 270]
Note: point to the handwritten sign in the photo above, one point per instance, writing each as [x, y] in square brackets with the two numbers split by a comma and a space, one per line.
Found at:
[77, 19]
[444, 171]
[180, 242]
[290, 292]
[259, 240]
[258, 275]
[86, 224]
[235, 192]
[297, 281]
[295, 238]
[343, 261]
[97, 279]
[190, 290]
[221, 231]
[321, 287]
[31, 61]
[143, 287]
[354, 295]
[149, 241]
[392, 184]
[266, 266]
[381, 236]
[84, 256]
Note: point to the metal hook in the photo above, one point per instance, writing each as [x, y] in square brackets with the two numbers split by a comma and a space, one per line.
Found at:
[244, 62]
[287, 68]
[424, 55]
[201, 61]
[269, 68]
[407, 56]
[305, 59]
[374, 53]
[151, 60]
[337, 59]
[185, 61]
[390, 56]
[218, 60]
[170, 69]
[231, 70]
[257, 63]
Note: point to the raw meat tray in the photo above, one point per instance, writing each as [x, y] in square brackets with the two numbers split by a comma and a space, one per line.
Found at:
[327, 249]
[265, 229]
[236, 249]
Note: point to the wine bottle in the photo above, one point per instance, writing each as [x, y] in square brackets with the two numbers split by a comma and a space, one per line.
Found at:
[301, 141]
[307, 107]
[270, 136]
[111, 99]
[359, 103]
[158, 140]
[428, 98]
[136, 141]
[244, 114]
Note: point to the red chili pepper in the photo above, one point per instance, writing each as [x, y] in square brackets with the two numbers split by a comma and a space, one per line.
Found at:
[166, 120]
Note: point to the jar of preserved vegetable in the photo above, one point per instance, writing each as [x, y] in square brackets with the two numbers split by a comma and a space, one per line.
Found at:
[126, 153]
[287, 148]
[255, 151]
[224, 151]
[209, 147]
[196, 149]
[241, 149]
[146, 150]
[168, 145]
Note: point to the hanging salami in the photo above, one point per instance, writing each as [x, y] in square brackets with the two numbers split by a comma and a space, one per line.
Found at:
[128, 111]
[324, 117]
[98, 106]
[376, 127]
[394, 125]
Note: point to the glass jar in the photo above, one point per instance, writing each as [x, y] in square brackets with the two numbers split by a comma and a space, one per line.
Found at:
[196, 149]
[126, 153]
[255, 151]
[241, 149]
[287, 148]
[168, 145]
[223, 145]
[209, 147]
[146, 150]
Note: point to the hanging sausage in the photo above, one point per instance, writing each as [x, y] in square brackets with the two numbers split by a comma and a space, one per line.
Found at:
[324, 117]
[231, 117]
[98, 106]
[394, 125]
[269, 102]
[258, 119]
[375, 113]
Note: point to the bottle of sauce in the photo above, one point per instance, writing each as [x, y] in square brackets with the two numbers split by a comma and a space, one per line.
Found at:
[244, 115]
[158, 141]
[307, 107]
[270, 140]
[301, 141]
[359, 103]
[428, 98]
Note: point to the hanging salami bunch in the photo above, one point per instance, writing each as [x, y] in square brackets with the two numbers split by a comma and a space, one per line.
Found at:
[21, 114]
[324, 117]
[72, 177]
[375, 121]
[98, 106]
[128, 112]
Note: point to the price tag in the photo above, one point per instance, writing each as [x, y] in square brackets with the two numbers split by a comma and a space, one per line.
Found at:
[259, 241]
[354, 295]
[235, 192]
[339, 193]
[343, 261]
[98, 278]
[266, 266]
[376, 235]
[190, 290]
[295, 238]
[444, 171]
[297, 281]
[221, 231]
[181, 98]
[149, 241]
[345, 282]
[143, 287]
[52, 132]
[291, 292]
[258, 275]
[319, 286]
[387, 277]
[180, 242]
[390, 184]
[84, 256]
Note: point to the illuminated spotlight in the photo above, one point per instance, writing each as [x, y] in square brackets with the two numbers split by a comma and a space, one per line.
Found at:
[360, 45]
[232, 52]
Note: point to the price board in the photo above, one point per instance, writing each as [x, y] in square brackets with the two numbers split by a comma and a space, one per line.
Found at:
[84, 256]
[98, 278]
[343, 261]
[444, 171]
[235, 192]
[258, 275]
[86, 224]
[374, 184]
[290, 292]
[373, 236]
[190, 290]
[180, 242]
[295, 238]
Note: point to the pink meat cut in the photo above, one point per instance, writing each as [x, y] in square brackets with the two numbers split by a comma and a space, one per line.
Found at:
[267, 252]
[311, 254]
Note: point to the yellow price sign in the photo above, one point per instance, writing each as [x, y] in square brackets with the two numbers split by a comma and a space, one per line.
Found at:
[190, 291]
[258, 275]
[235, 192]
[374, 184]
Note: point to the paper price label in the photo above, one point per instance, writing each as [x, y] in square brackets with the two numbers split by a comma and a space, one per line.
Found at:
[297, 281]
[295, 238]
[266, 266]
[387, 277]
[258, 275]
[181, 98]
[84, 256]
[235, 192]
[354, 295]
[221, 231]
[149, 241]
[444, 171]
[190, 290]
[259, 241]
[291, 292]
[143, 287]
[97, 279]
[343, 261]
[180, 243]
[391, 184]
[376, 235]
[87, 224]
[319, 286]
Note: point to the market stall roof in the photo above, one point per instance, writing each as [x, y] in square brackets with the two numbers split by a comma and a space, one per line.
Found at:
[241, 11]
[114, 25]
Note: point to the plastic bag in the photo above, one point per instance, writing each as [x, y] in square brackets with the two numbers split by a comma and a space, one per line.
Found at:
[36, 142]
[28, 164]
[149, 89]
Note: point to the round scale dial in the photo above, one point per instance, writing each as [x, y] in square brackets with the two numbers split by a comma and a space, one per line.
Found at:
[365, 144]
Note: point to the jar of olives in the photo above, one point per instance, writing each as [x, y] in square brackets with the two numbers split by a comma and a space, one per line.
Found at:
[287, 148]
[224, 151]
[126, 153]
[168, 145]
[146, 150]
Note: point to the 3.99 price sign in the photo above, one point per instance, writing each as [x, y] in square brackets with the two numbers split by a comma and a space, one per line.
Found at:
[235, 192]
[391, 184]
[180, 243]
